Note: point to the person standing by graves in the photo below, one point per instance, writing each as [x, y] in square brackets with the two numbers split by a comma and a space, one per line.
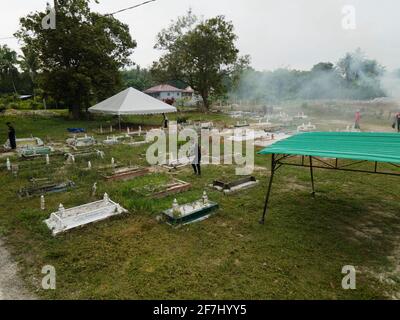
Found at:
[196, 153]
[396, 124]
[165, 121]
[11, 136]
[357, 120]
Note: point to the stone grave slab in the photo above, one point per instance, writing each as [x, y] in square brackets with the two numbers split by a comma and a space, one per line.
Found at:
[126, 173]
[190, 213]
[37, 189]
[174, 187]
[67, 219]
[234, 186]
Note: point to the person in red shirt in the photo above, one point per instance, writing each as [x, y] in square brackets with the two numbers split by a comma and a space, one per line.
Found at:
[357, 120]
[397, 122]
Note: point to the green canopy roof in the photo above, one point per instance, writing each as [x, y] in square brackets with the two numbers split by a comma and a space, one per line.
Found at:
[370, 146]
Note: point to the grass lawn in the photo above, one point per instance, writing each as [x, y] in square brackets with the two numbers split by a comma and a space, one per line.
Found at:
[299, 253]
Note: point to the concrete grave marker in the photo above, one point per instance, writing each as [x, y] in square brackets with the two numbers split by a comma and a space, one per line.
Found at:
[191, 212]
[67, 219]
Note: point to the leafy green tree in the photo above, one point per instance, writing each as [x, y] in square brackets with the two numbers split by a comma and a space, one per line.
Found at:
[138, 78]
[362, 75]
[79, 60]
[355, 67]
[29, 63]
[323, 67]
[8, 65]
[200, 54]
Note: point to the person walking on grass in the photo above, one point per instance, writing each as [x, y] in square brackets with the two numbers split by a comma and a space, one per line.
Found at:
[11, 136]
[357, 119]
[196, 153]
[396, 124]
[165, 121]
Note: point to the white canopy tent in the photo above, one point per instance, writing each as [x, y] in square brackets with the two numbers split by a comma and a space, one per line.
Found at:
[131, 102]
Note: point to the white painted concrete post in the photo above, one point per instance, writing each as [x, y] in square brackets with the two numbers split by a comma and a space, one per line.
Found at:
[106, 198]
[94, 189]
[42, 203]
[175, 208]
[205, 198]
[61, 210]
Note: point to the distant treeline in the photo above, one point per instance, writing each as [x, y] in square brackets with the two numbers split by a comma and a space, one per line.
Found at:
[353, 77]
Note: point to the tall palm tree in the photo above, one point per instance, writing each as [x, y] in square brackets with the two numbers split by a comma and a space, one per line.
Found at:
[29, 63]
[8, 62]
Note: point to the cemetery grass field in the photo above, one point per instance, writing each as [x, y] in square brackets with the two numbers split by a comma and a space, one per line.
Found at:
[298, 254]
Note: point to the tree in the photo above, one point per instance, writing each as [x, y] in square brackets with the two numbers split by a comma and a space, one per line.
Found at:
[8, 64]
[138, 78]
[361, 74]
[355, 67]
[29, 63]
[200, 54]
[79, 60]
[323, 67]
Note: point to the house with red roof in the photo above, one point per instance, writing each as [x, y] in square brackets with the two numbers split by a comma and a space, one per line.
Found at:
[166, 92]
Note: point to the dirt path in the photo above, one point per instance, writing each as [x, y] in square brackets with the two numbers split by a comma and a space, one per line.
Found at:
[11, 286]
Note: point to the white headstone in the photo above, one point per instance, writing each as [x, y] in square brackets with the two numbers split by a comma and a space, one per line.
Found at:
[42, 203]
[47, 159]
[89, 165]
[61, 210]
[205, 198]
[106, 198]
[94, 189]
[8, 163]
[175, 207]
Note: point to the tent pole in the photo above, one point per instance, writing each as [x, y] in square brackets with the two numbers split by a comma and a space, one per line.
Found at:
[273, 165]
[119, 122]
[312, 177]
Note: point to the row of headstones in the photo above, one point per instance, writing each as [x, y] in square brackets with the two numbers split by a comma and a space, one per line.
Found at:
[128, 130]
[176, 208]
[61, 208]
[9, 166]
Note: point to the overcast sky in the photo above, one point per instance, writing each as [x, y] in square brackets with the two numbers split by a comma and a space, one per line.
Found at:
[276, 33]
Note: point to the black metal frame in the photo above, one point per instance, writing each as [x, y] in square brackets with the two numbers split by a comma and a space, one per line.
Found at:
[277, 162]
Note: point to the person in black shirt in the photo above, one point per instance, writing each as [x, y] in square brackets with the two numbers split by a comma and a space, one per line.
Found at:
[165, 121]
[11, 136]
[196, 163]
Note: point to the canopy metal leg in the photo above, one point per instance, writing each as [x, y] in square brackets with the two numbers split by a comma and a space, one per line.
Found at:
[312, 177]
[273, 165]
[119, 122]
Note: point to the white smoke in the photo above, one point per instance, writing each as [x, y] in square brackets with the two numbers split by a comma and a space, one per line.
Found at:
[390, 83]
